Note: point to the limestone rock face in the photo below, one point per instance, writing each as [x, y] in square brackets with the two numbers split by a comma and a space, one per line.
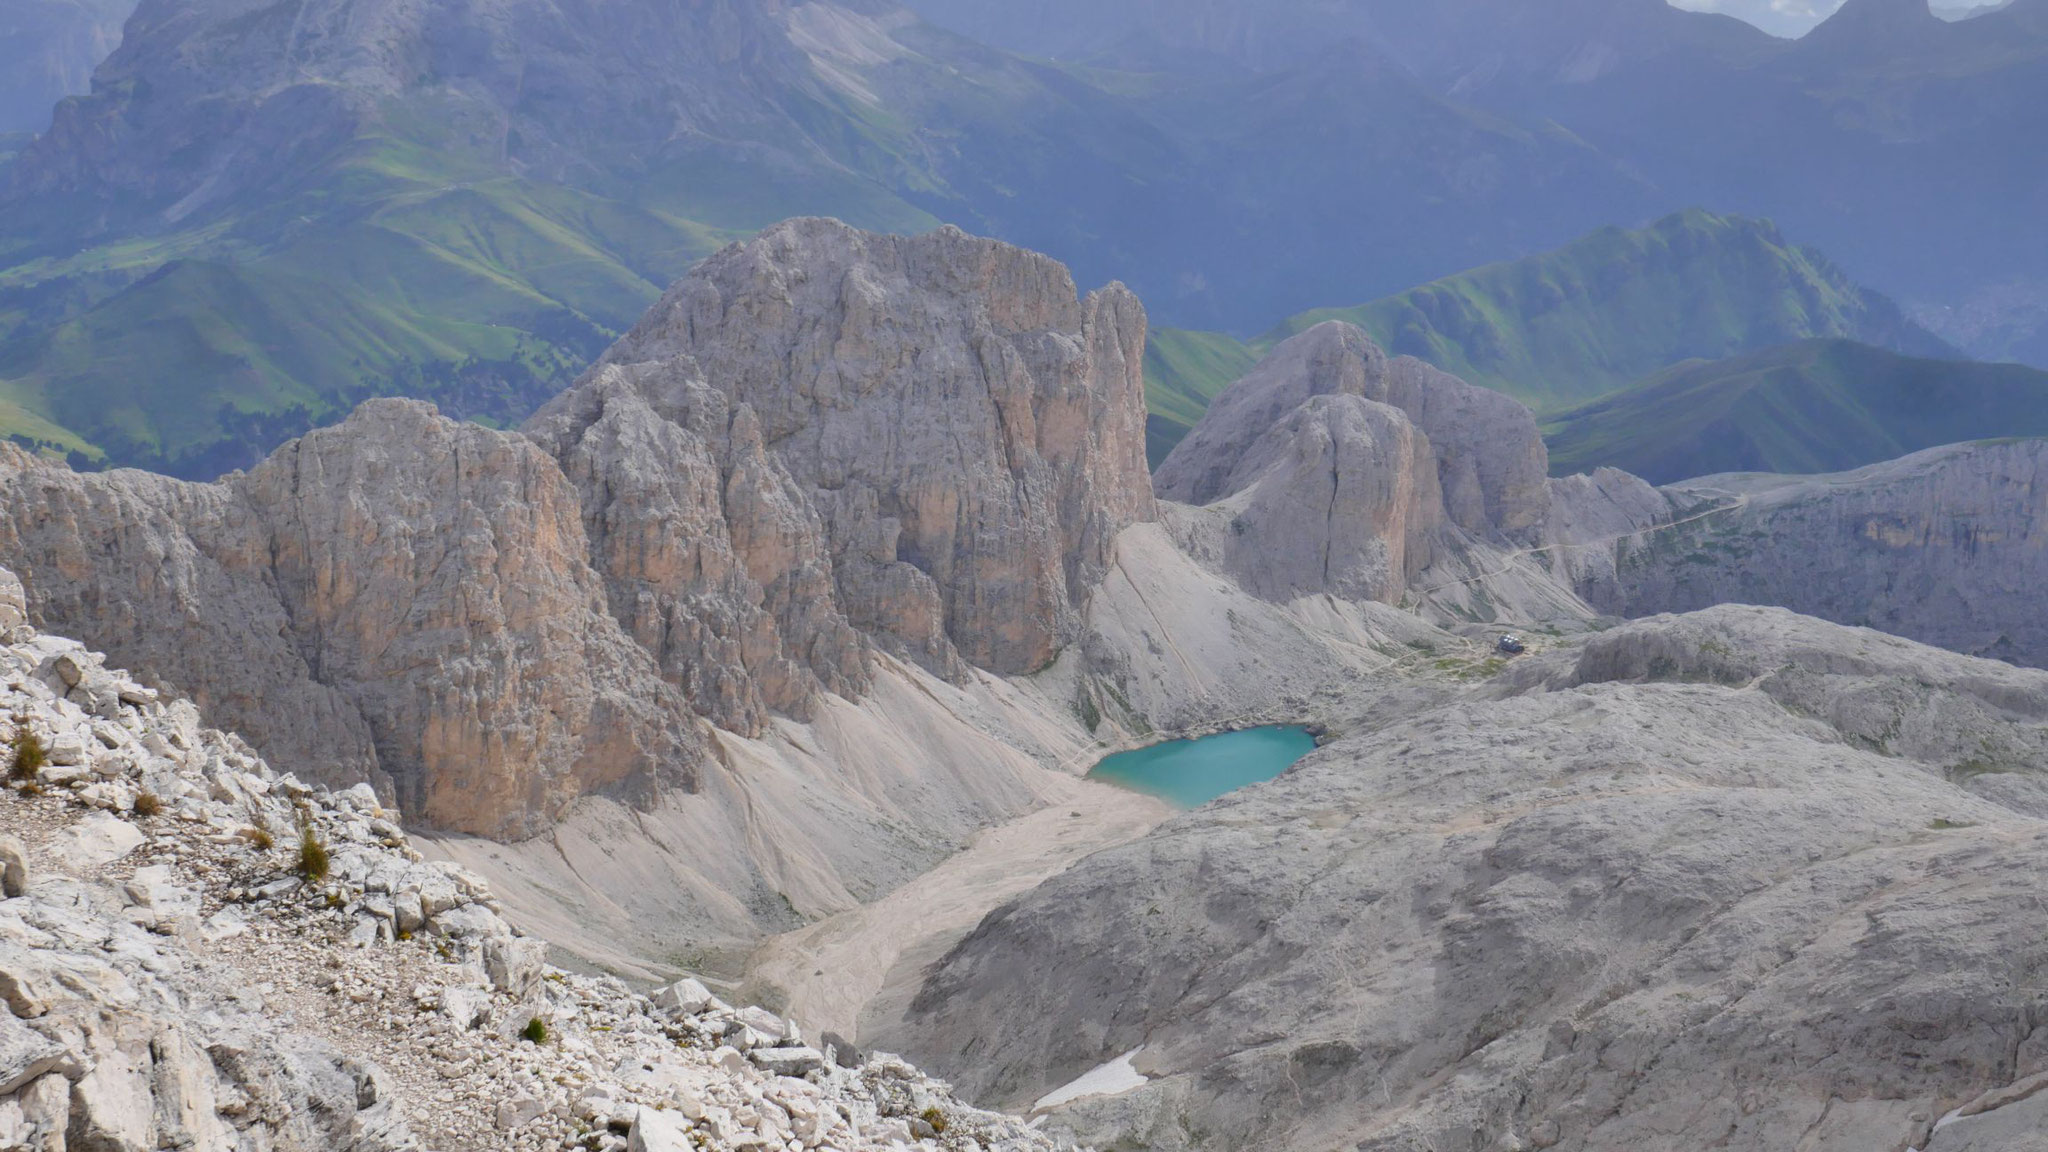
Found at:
[172, 577]
[969, 433]
[1356, 482]
[1714, 880]
[1590, 515]
[1943, 546]
[400, 599]
[1330, 469]
[714, 562]
[822, 443]
[439, 575]
[1488, 454]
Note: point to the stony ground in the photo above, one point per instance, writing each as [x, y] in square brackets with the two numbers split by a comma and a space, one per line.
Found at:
[179, 971]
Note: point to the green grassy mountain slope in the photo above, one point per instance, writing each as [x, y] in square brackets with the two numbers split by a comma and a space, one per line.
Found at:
[1562, 327]
[1604, 311]
[1813, 406]
[1184, 371]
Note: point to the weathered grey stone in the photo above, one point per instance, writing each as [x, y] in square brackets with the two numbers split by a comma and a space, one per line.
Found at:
[823, 438]
[1623, 895]
[1329, 470]
[94, 842]
[1488, 456]
[408, 914]
[112, 1106]
[686, 995]
[798, 1061]
[13, 867]
[514, 963]
[657, 1131]
[1341, 497]
[46, 1104]
[13, 603]
[1943, 547]
[26, 1056]
[156, 887]
[931, 438]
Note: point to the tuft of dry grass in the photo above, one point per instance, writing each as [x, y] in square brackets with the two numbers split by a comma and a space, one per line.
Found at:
[28, 755]
[312, 856]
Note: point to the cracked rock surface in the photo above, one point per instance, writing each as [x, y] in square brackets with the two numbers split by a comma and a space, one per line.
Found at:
[1735, 879]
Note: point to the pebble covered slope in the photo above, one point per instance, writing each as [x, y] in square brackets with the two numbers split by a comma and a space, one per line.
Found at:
[172, 977]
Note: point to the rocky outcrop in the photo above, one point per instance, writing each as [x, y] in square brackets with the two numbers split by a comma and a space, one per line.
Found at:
[401, 599]
[1340, 496]
[1943, 546]
[1741, 879]
[1330, 469]
[439, 577]
[1488, 455]
[174, 973]
[822, 444]
[1590, 515]
[936, 422]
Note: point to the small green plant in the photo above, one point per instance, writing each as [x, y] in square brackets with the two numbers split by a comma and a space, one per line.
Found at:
[312, 856]
[147, 804]
[29, 754]
[936, 1119]
[1091, 716]
[259, 837]
[535, 1032]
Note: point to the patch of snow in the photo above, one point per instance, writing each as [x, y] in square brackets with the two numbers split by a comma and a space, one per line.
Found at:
[1112, 1079]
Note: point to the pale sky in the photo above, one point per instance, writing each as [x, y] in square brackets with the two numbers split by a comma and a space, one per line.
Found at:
[1797, 17]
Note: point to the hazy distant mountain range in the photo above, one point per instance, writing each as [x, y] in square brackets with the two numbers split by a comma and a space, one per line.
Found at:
[265, 213]
[1560, 328]
[1812, 406]
[48, 49]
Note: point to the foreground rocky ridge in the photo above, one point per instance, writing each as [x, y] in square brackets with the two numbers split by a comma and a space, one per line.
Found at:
[1739, 878]
[171, 976]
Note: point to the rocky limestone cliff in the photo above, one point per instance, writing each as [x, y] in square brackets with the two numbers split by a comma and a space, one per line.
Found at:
[822, 445]
[1738, 879]
[1339, 496]
[1489, 457]
[967, 432]
[1330, 469]
[1943, 546]
[400, 599]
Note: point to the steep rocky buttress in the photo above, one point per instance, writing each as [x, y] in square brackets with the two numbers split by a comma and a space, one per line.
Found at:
[821, 445]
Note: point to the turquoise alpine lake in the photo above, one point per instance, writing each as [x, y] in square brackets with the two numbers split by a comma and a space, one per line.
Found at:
[1190, 773]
